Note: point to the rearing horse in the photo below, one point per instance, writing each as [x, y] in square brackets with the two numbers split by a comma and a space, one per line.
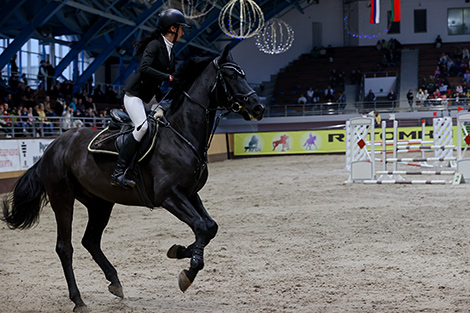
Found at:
[172, 175]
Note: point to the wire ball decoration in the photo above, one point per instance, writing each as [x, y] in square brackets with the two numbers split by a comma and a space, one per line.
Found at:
[193, 8]
[241, 19]
[352, 33]
[276, 37]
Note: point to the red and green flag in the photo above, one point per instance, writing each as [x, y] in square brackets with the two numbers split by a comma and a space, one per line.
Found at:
[396, 14]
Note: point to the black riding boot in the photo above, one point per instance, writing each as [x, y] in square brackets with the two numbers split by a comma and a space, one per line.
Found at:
[128, 150]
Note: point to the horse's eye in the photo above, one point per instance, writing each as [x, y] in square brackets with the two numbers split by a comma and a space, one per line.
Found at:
[233, 76]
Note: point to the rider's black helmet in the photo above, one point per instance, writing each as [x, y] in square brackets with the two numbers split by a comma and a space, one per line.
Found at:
[170, 17]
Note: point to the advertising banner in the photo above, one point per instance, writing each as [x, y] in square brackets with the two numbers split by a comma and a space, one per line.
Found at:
[313, 141]
[31, 151]
[18, 155]
[290, 142]
[9, 156]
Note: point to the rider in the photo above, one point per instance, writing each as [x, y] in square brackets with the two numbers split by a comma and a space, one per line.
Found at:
[157, 62]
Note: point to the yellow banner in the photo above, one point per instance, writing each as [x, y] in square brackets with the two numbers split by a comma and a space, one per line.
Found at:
[291, 142]
[313, 141]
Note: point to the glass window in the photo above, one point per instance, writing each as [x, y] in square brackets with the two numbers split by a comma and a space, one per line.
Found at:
[420, 20]
[458, 21]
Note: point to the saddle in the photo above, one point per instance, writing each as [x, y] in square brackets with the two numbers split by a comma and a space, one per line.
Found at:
[110, 139]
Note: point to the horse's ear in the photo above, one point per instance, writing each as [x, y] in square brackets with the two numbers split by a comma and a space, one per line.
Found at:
[224, 56]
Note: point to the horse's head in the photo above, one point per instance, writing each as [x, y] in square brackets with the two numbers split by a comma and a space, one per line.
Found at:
[232, 90]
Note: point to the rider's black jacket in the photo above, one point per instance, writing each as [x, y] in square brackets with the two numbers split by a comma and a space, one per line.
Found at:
[155, 68]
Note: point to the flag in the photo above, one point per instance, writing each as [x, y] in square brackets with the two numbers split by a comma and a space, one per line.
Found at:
[396, 14]
[374, 11]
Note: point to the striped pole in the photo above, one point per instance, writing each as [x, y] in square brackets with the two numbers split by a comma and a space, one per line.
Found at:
[407, 182]
[453, 147]
[416, 172]
[421, 159]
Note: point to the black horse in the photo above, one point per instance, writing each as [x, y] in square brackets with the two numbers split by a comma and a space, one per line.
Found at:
[172, 174]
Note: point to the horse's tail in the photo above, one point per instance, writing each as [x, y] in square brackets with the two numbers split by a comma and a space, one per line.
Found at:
[21, 209]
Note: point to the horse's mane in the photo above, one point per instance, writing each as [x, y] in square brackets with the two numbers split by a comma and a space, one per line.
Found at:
[185, 76]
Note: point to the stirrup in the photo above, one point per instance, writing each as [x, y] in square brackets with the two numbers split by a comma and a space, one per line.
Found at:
[122, 181]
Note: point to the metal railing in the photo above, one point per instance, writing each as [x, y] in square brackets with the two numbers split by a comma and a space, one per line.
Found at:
[13, 126]
[359, 107]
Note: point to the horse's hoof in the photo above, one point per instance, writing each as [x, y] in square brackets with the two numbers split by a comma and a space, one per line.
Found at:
[81, 309]
[116, 290]
[183, 281]
[173, 251]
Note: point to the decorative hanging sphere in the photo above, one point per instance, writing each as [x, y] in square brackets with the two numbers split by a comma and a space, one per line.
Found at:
[193, 8]
[241, 19]
[276, 37]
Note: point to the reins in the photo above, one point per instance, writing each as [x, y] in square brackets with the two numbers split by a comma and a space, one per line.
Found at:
[231, 99]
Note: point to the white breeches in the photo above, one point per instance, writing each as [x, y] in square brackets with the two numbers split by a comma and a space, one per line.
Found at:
[136, 110]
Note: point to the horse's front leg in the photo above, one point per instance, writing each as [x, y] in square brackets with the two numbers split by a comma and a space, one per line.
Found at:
[181, 252]
[188, 210]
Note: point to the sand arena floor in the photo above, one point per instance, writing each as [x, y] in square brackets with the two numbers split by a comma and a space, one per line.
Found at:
[292, 238]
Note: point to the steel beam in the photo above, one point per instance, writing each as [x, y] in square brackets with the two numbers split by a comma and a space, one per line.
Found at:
[39, 20]
[121, 34]
[80, 45]
[9, 9]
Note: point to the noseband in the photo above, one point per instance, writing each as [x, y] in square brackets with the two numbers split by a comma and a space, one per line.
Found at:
[233, 100]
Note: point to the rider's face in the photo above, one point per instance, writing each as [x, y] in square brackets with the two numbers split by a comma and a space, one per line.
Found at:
[179, 30]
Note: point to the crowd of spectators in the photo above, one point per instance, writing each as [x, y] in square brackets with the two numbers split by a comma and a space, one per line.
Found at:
[26, 108]
[438, 89]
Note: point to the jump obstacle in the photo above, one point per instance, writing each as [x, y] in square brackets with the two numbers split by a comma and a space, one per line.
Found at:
[361, 152]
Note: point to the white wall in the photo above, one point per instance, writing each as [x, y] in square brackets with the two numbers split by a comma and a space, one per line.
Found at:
[436, 21]
[259, 66]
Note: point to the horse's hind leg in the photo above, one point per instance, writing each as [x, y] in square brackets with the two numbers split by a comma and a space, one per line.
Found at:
[62, 203]
[99, 212]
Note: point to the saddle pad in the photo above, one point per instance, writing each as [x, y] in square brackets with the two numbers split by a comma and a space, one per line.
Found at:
[105, 142]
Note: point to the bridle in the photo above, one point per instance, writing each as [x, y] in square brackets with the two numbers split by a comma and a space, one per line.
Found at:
[221, 90]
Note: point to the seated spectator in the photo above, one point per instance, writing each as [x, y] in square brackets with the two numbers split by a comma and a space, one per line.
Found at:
[310, 94]
[329, 97]
[73, 104]
[392, 97]
[342, 101]
[5, 119]
[330, 51]
[322, 52]
[443, 88]
[420, 97]
[46, 125]
[370, 97]
[317, 95]
[465, 53]
[302, 99]
[466, 76]
[355, 77]
[48, 107]
[438, 41]
[384, 62]
[426, 97]
[377, 119]
[378, 45]
[329, 90]
[334, 78]
[315, 52]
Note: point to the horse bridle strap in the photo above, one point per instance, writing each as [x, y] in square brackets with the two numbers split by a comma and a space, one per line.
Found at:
[232, 99]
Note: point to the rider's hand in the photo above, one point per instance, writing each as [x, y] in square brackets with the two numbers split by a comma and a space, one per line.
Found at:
[171, 78]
